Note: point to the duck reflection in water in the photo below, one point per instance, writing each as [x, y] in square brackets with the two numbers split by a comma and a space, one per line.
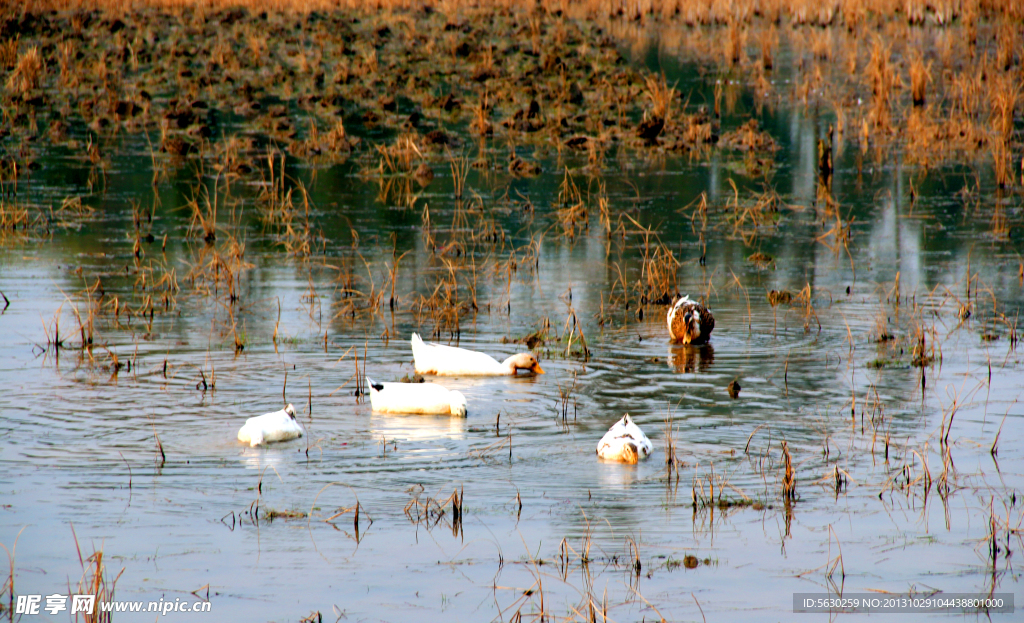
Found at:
[620, 476]
[265, 459]
[686, 358]
[417, 428]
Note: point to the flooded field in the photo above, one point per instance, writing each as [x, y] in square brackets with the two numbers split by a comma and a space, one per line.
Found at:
[208, 215]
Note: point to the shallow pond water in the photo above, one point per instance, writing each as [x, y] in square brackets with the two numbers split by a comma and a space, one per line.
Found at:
[130, 447]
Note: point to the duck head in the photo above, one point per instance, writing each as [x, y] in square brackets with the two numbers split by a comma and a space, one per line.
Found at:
[524, 361]
[458, 404]
[692, 320]
[684, 320]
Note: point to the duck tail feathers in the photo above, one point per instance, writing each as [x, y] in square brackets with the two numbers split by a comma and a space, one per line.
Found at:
[458, 404]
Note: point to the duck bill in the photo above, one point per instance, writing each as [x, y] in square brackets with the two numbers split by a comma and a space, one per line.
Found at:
[536, 368]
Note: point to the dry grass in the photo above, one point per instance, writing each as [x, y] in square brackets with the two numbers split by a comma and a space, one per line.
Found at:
[431, 511]
[661, 97]
[748, 219]
[218, 270]
[355, 297]
[14, 219]
[767, 42]
[883, 80]
[28, 73]
[572, 212]
[9, 52]
[789, 475]
[204, 214]
[96, 582]
[920, 76]
[850, 13]
[827, 59]
[1004, 95]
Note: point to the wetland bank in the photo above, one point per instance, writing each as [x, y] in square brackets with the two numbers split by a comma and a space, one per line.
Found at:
[211, 209]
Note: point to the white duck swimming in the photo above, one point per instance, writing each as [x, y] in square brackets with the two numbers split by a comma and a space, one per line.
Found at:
[277, 426]
[442, 360]
[425, 398]
[624, 442]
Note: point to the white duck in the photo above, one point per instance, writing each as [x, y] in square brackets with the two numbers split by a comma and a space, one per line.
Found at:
[442, 360]
[277, 426]
[425, 398]
[624, 442]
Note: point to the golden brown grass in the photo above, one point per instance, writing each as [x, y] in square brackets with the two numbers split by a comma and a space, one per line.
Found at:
[883, 81]
[661, 96]
[28, 72]
[850, 13]
[920, 76]
[96, 581]
[1004, 95]
[768, 41]
[845, 34]
[572, 212]
[9, 52]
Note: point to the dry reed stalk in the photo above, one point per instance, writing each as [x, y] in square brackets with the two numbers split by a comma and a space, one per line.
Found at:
[1004, 94]
[920, 76]
[398, 158]
[749, 220]
[430, 511]
[28, 73]
[481, 124]
[95, 581]
[734, 42]
[661, 97]
[14, 219]
[768, 40]
[1008, 40]
[821, 44]
[883, 81]
[204, 212]
[658, 280]
[565, 395]
[1001, 171]
[9, 52]
[838, 560]
[492, 448]
[789, 477]
[572, 213]
[8, 585]
[671, 460]
[460, 170]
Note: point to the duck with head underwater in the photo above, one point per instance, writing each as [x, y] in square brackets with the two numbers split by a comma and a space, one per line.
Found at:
[624, 442]
[416, 398]
[276, 426]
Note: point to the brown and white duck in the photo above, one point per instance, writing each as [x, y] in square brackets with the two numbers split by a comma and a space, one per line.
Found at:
[689, 322]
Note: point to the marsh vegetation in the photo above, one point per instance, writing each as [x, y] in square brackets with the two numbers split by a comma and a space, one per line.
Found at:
[208, 210]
